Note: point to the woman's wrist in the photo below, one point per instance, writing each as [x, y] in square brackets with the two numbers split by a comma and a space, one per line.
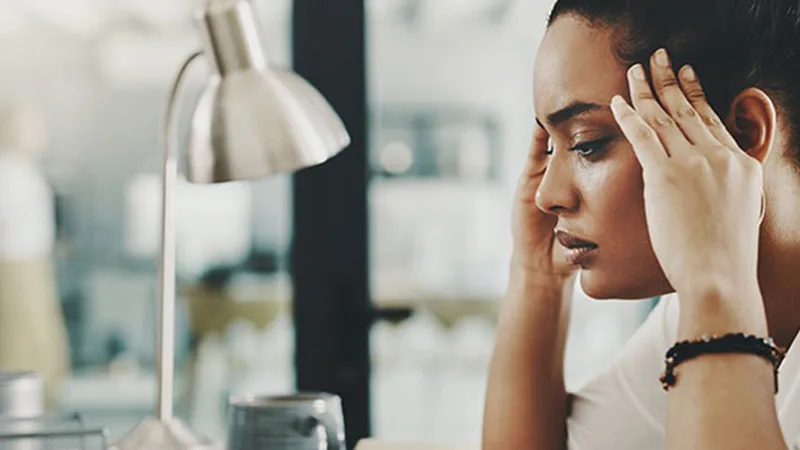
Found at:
[522, 267]
[536, 296]
[722, 307]
[524, 277]
[535, 317]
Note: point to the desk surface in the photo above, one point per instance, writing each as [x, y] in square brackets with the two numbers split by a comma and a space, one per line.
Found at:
[372, 444]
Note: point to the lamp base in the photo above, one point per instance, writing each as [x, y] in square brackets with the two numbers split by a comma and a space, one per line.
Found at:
[152, 433]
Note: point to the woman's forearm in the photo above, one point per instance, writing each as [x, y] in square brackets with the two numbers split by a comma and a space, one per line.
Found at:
[723, 401]
[526, 400]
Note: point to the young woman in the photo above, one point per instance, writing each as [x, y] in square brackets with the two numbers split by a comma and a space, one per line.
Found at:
[664, 160]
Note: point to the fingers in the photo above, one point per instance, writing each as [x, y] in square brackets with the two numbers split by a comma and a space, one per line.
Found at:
[537, 157]
[676, 108]
[541, 143]
[644, 140]
[650, 109]
[690, 84]
[535, 164]
[675, 101]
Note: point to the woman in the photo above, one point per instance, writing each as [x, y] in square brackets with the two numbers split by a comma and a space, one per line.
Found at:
[654, 192]
[33, 334]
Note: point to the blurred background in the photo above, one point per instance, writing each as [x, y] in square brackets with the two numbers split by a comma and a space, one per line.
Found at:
[449, 114]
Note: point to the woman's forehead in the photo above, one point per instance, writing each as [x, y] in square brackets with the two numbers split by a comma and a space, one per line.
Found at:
[576, 63]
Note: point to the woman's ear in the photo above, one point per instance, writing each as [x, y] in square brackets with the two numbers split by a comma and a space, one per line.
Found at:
[753, 121]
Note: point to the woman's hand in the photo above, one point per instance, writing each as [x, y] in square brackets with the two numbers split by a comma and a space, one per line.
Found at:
[702, 192]
[535, 249]
[526, 402]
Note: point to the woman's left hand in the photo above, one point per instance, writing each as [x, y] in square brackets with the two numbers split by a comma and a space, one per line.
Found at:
[702, 192]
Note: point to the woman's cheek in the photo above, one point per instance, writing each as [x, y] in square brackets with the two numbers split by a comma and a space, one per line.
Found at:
[596, 180]
[612, 195]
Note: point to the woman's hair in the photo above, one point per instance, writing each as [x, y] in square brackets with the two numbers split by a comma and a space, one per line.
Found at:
[733, 44]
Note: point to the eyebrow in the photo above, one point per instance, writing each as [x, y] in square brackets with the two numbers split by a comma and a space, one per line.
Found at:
[570, 112]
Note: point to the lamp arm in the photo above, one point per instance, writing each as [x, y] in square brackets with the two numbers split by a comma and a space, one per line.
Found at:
[165, 351]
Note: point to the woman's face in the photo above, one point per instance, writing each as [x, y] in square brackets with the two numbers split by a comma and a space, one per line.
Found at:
[593, 182]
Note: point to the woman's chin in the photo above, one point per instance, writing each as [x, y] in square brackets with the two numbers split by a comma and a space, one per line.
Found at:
[601, 286]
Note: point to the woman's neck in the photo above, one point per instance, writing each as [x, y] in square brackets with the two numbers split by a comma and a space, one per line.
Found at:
[779, 278]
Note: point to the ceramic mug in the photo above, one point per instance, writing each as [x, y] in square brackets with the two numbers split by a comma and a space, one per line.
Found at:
[306, 421]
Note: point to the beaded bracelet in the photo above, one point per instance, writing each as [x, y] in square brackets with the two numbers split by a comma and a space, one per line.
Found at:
[729, 343]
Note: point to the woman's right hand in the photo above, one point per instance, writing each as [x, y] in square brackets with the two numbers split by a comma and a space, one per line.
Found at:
[535, 249]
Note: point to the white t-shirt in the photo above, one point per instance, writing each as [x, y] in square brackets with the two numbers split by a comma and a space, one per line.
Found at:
[625, 407]
[27, 225]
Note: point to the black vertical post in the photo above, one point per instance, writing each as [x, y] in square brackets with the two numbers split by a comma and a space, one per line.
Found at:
[329, 251]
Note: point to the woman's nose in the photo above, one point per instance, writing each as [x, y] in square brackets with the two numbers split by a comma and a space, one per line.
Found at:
[556, 193]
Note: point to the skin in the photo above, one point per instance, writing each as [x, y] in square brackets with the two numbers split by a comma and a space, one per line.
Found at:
[673, 176]
[599, 197]
[594, 190]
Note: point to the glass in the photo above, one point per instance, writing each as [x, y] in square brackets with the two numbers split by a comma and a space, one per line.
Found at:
[99, 73]
[451, 108]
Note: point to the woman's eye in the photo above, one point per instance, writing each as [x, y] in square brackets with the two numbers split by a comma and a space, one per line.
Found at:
[591, 148]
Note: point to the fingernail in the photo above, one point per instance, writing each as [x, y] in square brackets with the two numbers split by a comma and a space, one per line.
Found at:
[688, 73]
[662, 58]
[637, 72]
[618, 107]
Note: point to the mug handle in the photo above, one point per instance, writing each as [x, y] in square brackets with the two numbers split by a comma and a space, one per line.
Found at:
[328, 424]
[334, 431]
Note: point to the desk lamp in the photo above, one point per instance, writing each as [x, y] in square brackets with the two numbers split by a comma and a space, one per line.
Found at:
[252, 120]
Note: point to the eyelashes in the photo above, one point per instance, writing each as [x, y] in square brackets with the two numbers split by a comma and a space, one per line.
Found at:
[592, 148]
[586, 149]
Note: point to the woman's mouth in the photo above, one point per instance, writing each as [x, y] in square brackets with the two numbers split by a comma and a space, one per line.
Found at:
[579, 252]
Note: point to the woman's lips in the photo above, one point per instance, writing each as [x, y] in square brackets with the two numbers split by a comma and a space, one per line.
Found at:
[579, 252]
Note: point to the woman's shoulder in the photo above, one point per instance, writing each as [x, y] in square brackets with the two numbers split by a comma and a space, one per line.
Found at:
[22, 182]
[19, 172]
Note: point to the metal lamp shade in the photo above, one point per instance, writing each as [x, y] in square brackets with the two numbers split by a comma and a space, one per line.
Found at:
[250, 124]
[254, 119]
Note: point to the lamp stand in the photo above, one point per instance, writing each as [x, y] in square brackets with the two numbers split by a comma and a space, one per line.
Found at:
[166, 432]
